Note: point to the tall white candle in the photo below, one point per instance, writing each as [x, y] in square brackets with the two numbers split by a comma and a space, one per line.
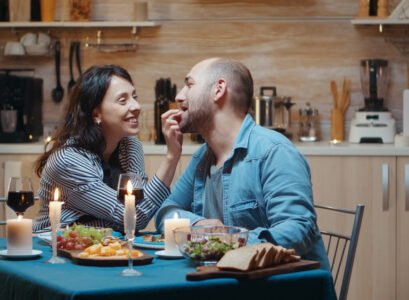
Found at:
[129, 214]
[169, 225]
[19, 236]
[55, 209]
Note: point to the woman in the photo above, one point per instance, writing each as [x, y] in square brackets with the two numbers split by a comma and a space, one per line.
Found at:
[95, 144]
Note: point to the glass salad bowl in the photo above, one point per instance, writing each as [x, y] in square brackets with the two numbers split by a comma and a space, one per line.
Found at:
[205, 245]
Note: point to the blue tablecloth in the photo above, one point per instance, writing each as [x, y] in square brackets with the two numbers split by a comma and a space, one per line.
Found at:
[165, 279]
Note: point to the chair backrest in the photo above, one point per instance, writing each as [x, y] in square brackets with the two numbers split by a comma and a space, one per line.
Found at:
[337, 243]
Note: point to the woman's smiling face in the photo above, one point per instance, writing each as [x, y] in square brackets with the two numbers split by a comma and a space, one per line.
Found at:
[119, 110]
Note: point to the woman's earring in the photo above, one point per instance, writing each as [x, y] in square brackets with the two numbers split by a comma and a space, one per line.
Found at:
[99, 122]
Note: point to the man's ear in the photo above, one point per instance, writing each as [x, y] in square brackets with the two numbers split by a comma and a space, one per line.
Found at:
[220, 90]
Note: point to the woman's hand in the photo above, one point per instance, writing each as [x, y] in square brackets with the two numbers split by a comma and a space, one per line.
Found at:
[171, 131]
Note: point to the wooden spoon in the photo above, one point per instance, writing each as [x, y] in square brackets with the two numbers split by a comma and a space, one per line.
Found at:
[334, 93]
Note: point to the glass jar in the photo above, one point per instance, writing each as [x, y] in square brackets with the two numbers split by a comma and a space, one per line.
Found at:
[309, 131]
[80, 10]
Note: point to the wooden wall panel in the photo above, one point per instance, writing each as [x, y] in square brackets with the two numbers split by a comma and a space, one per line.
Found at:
[298, 46]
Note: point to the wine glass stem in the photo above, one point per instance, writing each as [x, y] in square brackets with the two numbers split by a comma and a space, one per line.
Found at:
[130, 262]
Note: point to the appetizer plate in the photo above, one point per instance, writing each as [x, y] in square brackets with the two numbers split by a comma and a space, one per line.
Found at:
[74, 255]
[139, 242]
[34, 253]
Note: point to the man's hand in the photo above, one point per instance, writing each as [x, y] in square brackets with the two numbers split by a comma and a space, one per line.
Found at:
[214, 222]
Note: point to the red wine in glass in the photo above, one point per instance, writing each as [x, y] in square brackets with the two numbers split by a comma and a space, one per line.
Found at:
[20, 201]
[138, 193]
[20, 195]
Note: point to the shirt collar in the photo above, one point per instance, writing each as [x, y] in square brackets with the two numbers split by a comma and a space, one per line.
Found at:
[242, 140]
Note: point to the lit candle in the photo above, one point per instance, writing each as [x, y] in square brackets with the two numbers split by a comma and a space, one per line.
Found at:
[19, 236]
[129, 214]
[169, 225]
[55, 209]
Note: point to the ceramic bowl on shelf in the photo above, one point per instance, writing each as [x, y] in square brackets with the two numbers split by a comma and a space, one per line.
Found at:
[207, 244]
[37, 49]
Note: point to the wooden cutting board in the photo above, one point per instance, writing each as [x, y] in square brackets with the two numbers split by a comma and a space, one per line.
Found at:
[104, 261]
[210, 272]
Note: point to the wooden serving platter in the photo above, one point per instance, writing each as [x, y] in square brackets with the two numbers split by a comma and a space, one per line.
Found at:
[104, 261]
[211, 272]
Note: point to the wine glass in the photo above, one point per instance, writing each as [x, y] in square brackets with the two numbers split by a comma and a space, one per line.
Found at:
[130, 192]
[137, 188]
[20, 195]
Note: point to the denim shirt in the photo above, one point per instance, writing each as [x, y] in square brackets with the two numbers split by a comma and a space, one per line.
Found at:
[266, 189]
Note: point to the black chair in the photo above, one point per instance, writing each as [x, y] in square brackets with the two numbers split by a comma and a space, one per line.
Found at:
[336, 245]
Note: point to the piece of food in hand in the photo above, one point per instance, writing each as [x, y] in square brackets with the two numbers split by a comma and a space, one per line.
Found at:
[256, 256]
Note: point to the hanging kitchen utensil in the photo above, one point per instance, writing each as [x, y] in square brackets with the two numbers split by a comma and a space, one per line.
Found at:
[58, 92]
[72, 81]
[77, 56]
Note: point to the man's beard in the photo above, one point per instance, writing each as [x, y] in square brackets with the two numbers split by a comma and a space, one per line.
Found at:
[199, 118]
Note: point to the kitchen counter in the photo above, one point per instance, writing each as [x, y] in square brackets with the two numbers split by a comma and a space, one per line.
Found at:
[323, 148]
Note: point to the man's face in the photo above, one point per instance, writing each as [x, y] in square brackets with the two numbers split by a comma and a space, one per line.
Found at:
[194, 100]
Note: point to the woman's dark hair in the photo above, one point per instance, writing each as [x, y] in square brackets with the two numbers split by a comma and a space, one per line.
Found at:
[86, 95]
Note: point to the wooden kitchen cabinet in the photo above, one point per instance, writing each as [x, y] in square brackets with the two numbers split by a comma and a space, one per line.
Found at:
[152, 163]
[402, 253]
[381, 265]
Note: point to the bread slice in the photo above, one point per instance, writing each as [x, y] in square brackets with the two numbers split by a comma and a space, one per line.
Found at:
[241, 259]
[256, 256]
[266, 260]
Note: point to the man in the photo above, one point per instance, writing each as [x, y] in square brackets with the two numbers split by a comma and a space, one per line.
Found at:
[245, 175]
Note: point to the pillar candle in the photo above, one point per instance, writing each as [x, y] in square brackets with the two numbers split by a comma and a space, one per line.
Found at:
[169, 225]
[19, 236]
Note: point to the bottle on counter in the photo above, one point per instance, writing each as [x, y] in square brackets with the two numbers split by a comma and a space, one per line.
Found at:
[161, 106]
[165, 99]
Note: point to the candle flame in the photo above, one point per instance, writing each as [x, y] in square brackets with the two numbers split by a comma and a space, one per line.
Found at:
[19, 217]
[129, 187]
[56, 194]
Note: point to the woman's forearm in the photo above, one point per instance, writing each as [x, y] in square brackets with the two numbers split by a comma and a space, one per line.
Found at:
[167, 169]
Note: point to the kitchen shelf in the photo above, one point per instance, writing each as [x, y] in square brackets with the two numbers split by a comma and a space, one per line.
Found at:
[67, 24]
[380, 21]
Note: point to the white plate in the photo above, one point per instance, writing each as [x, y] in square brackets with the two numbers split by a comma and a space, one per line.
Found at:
[34, 253]
[165, 254]
[138, 242]
[45, 236]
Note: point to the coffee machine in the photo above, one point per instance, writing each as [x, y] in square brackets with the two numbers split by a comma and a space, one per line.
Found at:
[21, 100]
[373, 123]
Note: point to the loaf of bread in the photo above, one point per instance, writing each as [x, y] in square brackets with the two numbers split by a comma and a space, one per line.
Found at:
[256, 256]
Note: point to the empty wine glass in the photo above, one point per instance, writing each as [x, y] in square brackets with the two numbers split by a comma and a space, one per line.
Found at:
[130, 192]
[20, 195]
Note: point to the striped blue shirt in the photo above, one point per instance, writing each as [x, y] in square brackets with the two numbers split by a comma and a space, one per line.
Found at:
[87, 199]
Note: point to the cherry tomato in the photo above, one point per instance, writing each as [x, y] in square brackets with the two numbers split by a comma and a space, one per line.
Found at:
[86, 240]
[70, 245]
[74, 234]
[59, 237]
